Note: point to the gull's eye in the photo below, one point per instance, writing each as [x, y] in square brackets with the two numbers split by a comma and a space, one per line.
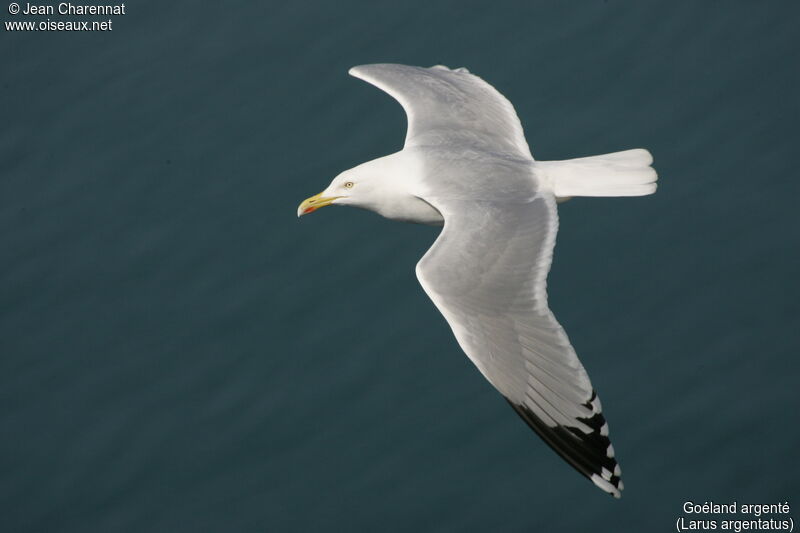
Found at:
[348, 184]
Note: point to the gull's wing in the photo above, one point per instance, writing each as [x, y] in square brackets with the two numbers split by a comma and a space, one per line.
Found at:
[487, 273]
[451, 107]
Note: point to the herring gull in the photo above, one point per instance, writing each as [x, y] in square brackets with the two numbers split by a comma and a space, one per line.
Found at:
[466, 165]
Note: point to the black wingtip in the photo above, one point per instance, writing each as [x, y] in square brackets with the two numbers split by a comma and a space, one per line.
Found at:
[591, 454]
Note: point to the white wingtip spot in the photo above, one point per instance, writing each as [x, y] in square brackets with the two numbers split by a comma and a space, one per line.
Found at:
[610, 451]
[596, 404]
[617, 470]
[604, 430]
[606, 473]
[606, 486]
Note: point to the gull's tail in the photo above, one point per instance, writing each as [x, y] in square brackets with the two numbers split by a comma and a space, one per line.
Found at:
[625, 173]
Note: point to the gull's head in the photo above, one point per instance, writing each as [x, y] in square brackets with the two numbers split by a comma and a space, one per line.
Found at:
[369, 186]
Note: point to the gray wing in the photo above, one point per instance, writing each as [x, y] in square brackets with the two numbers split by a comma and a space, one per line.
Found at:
[487, 273]
[451, 107]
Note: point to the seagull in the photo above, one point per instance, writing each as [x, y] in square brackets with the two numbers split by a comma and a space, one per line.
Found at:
[466, 166]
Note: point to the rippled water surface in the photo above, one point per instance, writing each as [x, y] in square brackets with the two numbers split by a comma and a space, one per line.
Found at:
[178, 352]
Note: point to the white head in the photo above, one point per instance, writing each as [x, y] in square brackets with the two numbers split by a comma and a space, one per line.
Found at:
[376, 185]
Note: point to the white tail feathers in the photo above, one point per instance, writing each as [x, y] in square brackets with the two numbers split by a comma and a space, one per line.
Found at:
[625, 173]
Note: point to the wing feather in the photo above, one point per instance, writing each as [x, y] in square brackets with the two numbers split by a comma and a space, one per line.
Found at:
[489, 281]
[447, 107]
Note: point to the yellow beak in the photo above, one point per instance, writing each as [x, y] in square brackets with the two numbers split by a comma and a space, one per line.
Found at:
[310, 205]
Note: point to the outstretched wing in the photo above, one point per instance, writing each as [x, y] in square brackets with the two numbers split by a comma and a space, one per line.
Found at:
[487, 273]
[450, 107]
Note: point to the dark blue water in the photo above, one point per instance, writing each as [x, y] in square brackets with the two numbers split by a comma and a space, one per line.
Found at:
[179, 353]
